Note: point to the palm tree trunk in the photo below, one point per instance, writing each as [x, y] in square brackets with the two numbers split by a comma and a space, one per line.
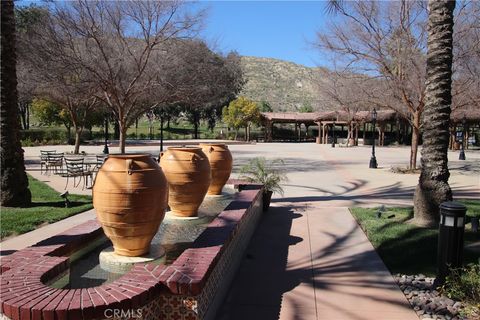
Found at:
[433, 188]
[14, 181]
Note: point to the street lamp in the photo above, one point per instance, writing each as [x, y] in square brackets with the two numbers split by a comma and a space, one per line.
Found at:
[461, 156]
[373, 160]
[161, 133]
[105, 148]
[333, 142]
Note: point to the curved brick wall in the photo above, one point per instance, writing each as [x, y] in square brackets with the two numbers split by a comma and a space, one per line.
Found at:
[23, 294]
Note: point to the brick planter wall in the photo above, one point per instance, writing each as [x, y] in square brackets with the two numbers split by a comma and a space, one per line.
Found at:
[190, 288]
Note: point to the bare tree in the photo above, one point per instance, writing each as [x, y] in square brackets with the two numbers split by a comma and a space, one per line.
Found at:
[386, 41]
[72, 99]
[113, 43]
[26, 88]
[466, 64]
[195, 77]
[60, 82]
[27, 19]
[344, 92]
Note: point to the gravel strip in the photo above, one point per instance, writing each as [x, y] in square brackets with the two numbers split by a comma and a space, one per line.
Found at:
[427, 302]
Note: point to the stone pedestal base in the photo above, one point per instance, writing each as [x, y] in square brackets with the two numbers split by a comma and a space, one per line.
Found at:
[115, 263]
[170, 217]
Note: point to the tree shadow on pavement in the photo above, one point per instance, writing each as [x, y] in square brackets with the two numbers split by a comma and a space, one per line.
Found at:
[291, 164]
[357, 193]
[267, 275]
[257, 289]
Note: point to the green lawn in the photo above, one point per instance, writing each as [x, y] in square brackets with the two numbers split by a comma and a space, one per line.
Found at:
[179, 130]
[403, 247]
[46, 207]
[473, 207]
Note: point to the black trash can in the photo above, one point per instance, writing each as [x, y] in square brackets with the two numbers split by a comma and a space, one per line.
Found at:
[450, 238]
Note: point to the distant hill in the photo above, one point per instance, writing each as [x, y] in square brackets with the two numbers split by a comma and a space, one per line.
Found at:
[286, 86]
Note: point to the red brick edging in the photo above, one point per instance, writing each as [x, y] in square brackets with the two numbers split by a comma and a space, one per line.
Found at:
[24, 295]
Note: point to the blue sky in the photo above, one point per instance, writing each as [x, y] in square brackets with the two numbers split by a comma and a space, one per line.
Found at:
[274, 29]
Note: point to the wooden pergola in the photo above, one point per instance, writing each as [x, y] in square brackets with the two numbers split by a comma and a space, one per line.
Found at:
[326, 120]
[297, 118]
[471, 116]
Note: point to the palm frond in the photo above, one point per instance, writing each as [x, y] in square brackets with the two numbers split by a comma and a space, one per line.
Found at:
[260, 170]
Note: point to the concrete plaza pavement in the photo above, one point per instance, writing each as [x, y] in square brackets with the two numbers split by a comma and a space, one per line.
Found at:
[319, 172]
[308, 259]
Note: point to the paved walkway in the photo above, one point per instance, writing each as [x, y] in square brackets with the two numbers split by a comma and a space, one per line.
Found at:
[308, 258]
[308, 262]
[58, 183]
[47, 231]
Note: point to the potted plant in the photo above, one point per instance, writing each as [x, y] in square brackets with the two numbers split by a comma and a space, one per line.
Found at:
[262, 171]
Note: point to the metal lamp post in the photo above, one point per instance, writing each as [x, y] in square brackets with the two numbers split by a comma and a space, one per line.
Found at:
[461, 156]
[161, 133]
[105, 148]
[373, 159]
[333, 140]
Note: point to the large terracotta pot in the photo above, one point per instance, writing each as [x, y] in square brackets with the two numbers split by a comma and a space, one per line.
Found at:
[221, 163]
[188, 174]
[130, 198]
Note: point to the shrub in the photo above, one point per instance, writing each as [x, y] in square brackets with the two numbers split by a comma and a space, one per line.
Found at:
[43, 136]
[28, 143]
[464, 284]
[209, 135]
[98, 135]
[53, 135]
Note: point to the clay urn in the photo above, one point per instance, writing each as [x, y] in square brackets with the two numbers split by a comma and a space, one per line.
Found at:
[221, 163]
[130, 198]
[188, 175]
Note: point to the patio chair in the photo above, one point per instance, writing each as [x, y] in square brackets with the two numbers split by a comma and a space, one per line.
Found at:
[44, 158]
[100, 159]
[75, 168]
[54, 161]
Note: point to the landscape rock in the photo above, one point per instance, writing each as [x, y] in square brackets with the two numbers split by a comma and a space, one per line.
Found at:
[427, 302]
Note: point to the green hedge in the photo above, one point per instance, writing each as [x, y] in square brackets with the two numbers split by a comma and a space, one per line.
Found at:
[49, 136]
[39, 136]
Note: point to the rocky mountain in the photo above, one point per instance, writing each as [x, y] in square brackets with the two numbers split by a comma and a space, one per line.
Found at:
[286, 86]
